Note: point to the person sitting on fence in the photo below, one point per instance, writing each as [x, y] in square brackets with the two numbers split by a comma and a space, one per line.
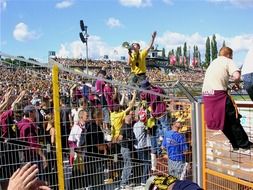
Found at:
[176, 146]
[220, 110]
[137, 61]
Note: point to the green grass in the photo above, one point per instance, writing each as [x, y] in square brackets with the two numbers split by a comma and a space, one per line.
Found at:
[241, 97]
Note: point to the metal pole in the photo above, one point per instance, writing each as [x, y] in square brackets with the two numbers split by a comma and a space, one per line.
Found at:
[199, 143]
[86, 55]
[55, 81]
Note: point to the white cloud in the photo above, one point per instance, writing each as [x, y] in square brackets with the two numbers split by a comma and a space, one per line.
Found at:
[3, 4]
[171, 40]
[113, 22]
[237, 3]
[64, 4]
[135, 3]
[240, 43]
[97, 48]
[22, 33]
[63, 52]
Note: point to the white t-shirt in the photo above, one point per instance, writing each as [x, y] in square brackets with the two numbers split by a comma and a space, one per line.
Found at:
[248, 63]
[76, 134]
[218, 73]
[143, 139]
[74, 114]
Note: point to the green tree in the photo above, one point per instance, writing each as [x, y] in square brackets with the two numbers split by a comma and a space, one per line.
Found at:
[163, 53]
[214, 47]
[224, 43]
[178, 54]
[208, 54]
[185, 50]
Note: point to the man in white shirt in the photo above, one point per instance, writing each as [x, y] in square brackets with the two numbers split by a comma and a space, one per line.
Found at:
[247, 73]
[220, 111]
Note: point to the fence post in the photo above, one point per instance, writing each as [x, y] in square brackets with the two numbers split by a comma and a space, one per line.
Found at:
[197, 142]
[60, 172]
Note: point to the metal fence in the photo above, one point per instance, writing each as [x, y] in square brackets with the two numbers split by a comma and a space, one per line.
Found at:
[224, 168]
[98, 162]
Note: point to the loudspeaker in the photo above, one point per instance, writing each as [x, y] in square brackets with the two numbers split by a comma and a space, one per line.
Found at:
[83, 39]
[82, 25]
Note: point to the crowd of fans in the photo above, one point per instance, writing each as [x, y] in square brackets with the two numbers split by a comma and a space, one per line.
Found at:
[96, 117]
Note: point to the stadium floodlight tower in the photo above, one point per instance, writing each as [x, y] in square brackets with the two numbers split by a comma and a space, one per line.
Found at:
[84, 38]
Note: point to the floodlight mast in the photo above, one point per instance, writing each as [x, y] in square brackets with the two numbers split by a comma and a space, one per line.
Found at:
[84, 38]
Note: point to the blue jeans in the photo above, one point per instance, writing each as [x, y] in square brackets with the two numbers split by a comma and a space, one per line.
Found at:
[144, 155]
[175, 168]
[248, 84]
[163, 125]
[126, 172]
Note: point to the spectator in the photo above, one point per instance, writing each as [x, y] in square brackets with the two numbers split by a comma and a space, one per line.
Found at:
[137, 61]
[142, 146]
[224, 115]
[66, 121]
[118, 117]
[126, 144]
[100, 85]
[29, 133]
[77, 140]
[176, 146]
[158, 111]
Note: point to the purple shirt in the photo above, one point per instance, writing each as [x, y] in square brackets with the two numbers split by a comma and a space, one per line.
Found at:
[108, 93]
[158, 106]
[99, 86]
[4, 117]
[28, 132]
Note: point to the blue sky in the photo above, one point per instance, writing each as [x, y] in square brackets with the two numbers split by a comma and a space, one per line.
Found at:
[32, 28]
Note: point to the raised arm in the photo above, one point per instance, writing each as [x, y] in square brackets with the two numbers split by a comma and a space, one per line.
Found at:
[151, 41]
[19, 98]
[131, 103]
[6, 100]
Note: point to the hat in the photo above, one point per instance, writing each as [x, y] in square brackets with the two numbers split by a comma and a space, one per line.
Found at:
[145, 84]
[29, 108]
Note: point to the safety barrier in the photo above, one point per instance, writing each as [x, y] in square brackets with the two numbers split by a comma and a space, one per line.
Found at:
[224, 168]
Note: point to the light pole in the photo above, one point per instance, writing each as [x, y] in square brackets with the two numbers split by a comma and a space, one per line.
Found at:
[84, 38]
